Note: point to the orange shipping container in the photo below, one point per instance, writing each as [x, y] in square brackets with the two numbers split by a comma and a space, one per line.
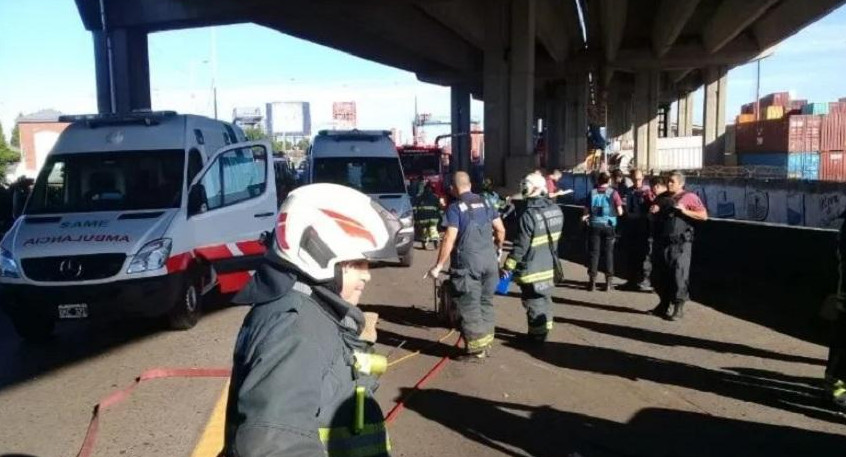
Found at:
[744, 118]
[833, 166]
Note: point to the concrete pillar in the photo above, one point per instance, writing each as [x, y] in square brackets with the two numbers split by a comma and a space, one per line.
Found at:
[521, 92]
[647, 85]
[496, 89]
[556, 126]
[714, 116]
[684, 115]
[130, 70]
[575, 118]
[460, 123]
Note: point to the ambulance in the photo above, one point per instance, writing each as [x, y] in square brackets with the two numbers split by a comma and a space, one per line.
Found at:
[139, 214]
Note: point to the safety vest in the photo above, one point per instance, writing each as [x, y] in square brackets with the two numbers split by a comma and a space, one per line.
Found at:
[670, 226]
[532, 255]
[601, 208]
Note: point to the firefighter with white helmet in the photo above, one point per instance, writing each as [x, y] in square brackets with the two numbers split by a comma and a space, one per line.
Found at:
[533, 257]
[303, 376]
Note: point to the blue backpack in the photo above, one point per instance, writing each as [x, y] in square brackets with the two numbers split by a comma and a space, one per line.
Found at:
[601, 212]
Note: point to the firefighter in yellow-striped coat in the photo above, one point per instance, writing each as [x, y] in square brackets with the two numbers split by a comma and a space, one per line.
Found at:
[533, 256]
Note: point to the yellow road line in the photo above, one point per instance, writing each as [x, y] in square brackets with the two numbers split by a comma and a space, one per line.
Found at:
[211, 442]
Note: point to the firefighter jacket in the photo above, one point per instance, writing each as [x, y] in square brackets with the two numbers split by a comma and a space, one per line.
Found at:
[532, 257]
[300, 386]
[427, 209]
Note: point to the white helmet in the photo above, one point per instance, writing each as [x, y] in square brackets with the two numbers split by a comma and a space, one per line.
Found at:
[321, 225]
[533, 185]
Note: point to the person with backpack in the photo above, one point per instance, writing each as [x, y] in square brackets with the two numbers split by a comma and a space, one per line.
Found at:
[603, 208]
[674, 213]
[533, 257]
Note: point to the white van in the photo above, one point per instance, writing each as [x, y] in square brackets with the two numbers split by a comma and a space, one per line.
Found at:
[366, 161]
[115, 227]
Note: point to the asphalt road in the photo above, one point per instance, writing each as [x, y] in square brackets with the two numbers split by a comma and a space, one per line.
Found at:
[611, 381]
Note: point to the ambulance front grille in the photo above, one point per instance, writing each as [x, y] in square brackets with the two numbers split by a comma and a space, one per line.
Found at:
[73, 268]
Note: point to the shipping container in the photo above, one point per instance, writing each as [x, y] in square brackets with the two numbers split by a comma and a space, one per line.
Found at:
[775, 99]
[836, 107]
[833, 135]
[804, 133]
[774, 112]
[761, 136]
[744, 118]
[796, 165]
[748, 108]
[815, 108]
[680, 153]
[833, 166]
[795, 105]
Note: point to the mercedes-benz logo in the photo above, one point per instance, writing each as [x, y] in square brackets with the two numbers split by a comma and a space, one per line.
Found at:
[70, 268]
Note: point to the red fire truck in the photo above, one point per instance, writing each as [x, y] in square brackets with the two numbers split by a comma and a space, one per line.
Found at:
[427, 162]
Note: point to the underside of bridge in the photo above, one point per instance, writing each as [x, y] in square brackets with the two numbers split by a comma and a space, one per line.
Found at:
[618, 63]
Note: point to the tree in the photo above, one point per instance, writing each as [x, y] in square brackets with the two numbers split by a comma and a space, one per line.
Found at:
[254, 134]
[303, 144]
[7, 155]
[16, 136]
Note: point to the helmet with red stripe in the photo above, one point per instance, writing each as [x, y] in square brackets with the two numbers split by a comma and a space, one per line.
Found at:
[322, 225]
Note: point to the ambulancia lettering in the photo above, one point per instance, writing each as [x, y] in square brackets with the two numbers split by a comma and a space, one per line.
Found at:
[42, 240]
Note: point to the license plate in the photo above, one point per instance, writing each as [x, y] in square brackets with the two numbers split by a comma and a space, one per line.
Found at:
[73, 311]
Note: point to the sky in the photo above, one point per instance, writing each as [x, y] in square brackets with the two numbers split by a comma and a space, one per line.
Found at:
[47, 61]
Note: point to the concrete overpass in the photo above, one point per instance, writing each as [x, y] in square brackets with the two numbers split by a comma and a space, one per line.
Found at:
[621, 66]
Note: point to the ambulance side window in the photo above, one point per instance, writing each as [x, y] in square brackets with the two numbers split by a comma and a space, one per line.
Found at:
[195, 165]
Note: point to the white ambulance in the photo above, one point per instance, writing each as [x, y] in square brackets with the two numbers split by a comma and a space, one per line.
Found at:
[138, 214]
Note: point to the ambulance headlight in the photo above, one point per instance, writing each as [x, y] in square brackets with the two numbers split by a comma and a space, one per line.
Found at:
[8, 266]
[150, 257]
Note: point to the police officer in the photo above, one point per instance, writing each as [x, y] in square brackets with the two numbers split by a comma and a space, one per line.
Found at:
[471, 226]
[534, 253]
[636, 232]
[303, 377]
[427, 215]
[674, 211]
[603, 208]
[835, 370]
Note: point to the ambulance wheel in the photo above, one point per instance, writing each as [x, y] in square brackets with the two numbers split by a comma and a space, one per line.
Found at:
[406, 260]
[32, 327]
[186, 311]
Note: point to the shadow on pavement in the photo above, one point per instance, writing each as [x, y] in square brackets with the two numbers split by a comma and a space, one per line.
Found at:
[669, 339]
[598, 306]
[73, 342]
[404, 315]
[764, 389]
[542, 431]
[411, 344]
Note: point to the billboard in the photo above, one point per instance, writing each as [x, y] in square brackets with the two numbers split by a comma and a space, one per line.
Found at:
[289, 118]
[344, 115]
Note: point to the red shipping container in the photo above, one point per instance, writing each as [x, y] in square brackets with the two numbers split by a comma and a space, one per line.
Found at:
[834, 132]
[836, 107]
[833, 166]
[762, 136]
[776, 99]
[804, 133]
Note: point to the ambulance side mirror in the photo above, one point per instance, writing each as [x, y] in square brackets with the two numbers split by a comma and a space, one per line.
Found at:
[196, 200]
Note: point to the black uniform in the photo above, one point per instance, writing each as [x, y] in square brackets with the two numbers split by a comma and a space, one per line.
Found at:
[835, 370]
[671, 254]
[298, 384]
[637, 237]
[474, 268]
[533, 259]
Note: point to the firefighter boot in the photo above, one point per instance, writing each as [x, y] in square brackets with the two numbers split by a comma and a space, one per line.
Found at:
[838, 395]
[678, 311]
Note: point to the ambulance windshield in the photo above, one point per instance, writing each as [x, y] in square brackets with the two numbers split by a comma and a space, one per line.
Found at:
[109, 181]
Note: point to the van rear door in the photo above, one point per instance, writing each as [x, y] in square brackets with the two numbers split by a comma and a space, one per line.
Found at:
[231, 204]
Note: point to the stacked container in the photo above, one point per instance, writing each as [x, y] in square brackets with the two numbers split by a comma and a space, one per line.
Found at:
[833, 143]
[815, 108]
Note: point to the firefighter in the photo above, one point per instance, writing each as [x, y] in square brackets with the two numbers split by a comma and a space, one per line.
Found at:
[674, 213]
[493, 199]
[469, 245]
[427, 216]
[835, 369]
[533, 256]
[303, 376]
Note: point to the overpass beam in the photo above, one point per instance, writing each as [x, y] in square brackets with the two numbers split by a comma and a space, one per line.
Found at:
[127, 86]
[714, 116]
[460, 123]
[684, 114]
[556, 127]
[647, 85]
[521, 159]
[496, 89]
